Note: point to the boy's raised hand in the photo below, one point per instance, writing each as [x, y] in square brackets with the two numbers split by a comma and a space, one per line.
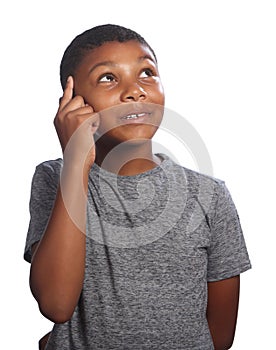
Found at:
[75, 123]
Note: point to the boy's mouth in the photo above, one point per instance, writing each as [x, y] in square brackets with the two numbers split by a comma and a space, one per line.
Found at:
[135, 116]
[133, 113]
[136, 113]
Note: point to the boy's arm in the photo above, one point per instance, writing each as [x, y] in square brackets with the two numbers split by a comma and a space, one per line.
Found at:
[222, 311]
[43, 341]
[57, 268]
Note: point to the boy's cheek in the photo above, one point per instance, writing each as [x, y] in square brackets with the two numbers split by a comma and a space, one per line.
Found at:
[99, 102]
[86, 92]
[157, 96]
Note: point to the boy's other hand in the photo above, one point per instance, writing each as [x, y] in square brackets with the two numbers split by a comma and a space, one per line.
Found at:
[75, 123]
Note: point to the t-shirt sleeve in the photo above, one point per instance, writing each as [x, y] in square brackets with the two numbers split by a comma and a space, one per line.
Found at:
[227, 253]
[43, 193]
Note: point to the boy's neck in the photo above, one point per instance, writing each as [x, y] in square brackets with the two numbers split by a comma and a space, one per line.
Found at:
[127, 159]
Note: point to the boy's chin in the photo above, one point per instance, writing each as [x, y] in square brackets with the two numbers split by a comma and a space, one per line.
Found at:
[135, 142]
[127, 134]
[123, 143]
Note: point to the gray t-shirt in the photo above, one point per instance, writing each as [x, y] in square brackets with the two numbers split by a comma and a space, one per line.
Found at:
[153, 241]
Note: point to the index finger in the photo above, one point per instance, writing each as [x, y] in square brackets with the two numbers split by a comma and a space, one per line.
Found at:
[68, 93]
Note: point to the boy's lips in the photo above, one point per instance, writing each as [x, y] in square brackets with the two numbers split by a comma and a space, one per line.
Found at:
[135, 117]
[133, 113]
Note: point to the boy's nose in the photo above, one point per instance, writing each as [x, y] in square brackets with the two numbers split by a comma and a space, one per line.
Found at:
[133, 92]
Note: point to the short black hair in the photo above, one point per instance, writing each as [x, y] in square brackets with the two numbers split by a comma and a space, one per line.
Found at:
[91, 39]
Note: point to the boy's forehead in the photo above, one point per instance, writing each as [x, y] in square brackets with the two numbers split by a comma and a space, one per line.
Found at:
[115, 50]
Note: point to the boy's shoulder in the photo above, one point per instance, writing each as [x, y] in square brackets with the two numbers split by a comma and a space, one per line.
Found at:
[51, 166]
[193, 175]
[202, 177]
[51, 163]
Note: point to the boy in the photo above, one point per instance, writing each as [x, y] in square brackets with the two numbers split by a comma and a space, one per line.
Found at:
[128, 250]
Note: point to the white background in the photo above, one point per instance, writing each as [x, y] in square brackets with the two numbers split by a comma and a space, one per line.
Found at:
[217, 60]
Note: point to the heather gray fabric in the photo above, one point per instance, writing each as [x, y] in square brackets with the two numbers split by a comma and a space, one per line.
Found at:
[153, 242]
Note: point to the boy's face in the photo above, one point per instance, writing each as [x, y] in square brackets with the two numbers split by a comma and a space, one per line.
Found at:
[121, 81]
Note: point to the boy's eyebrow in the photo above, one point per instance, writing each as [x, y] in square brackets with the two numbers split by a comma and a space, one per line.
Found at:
[114, 64]
[104, 63]
[146, 57]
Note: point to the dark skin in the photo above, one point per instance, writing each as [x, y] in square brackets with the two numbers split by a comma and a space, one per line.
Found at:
[128, 79]
[222, 311]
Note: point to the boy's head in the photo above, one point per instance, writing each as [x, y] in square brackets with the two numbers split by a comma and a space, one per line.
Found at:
[115, 72]
[91, 39]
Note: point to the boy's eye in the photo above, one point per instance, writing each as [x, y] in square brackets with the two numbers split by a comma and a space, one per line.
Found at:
[147, 73]
[106, 78]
